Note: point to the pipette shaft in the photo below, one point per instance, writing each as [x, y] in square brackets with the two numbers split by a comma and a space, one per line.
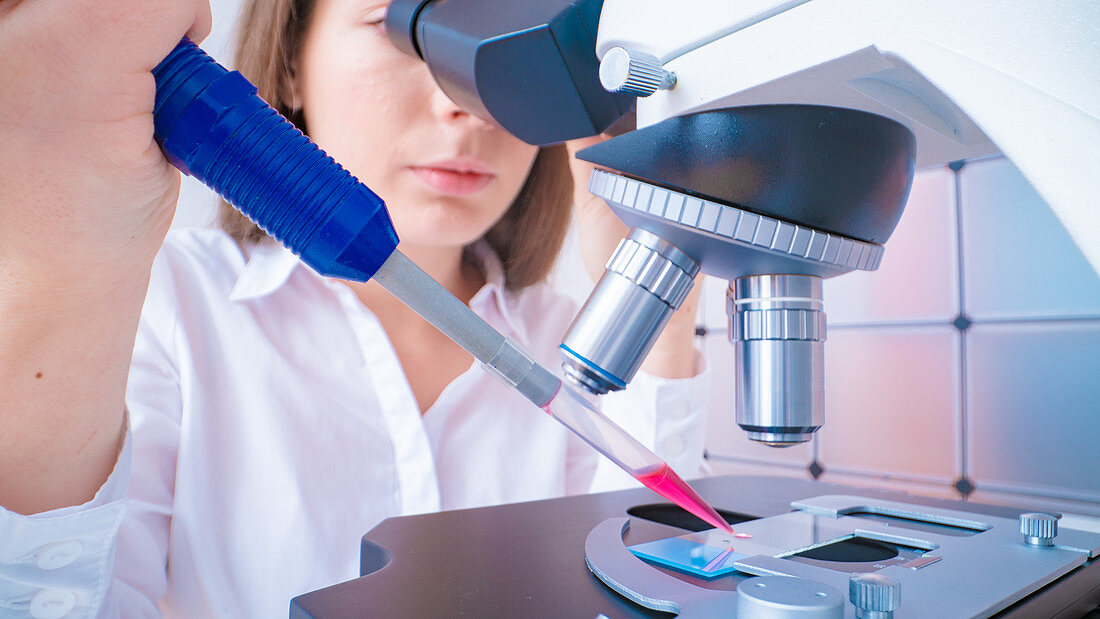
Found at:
[508, 361]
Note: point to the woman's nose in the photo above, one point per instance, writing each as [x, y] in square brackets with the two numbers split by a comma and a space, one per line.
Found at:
[448, 111]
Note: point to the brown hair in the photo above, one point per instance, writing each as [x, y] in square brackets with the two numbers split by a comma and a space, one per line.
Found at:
[529, 235]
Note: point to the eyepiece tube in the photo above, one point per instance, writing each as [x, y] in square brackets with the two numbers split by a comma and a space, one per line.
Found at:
[646, 280]
[777, 326]
[530, 66]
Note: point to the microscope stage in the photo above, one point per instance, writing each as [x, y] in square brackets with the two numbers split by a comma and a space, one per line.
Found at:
[947, 562]
[529, 559]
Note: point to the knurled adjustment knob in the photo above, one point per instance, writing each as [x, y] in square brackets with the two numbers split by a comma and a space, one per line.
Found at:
[1039, 529]
[875, 596]
[634, 73]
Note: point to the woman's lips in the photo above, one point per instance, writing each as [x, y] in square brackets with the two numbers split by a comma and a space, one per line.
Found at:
[456, 177]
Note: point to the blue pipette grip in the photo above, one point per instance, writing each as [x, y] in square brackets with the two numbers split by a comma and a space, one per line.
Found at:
[212, 125]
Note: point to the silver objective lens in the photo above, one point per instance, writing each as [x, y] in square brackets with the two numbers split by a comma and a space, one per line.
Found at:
[646, 280]
[777, 327]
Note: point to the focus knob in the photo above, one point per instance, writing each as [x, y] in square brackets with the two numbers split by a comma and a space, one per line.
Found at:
[1039, 529]
[875, 596]
[634, 73]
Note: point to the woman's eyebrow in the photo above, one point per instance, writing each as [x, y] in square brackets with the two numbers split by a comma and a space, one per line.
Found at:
[363, 9]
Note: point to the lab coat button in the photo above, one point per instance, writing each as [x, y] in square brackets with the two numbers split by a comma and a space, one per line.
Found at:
[674, 445]
[58, 554]
[679, 411]
[52, 604]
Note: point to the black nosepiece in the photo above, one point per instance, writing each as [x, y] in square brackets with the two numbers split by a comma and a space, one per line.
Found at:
[833, 169]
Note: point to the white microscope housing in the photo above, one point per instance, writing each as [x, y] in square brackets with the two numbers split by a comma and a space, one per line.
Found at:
[966, 79]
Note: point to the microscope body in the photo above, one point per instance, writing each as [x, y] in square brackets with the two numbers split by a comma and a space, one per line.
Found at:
[966, 81]
[776, 143]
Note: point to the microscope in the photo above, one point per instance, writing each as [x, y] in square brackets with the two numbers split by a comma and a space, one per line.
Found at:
[775, 146]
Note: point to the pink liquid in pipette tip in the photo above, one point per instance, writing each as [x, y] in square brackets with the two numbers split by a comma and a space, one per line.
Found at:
[665, 482]
[660, 479]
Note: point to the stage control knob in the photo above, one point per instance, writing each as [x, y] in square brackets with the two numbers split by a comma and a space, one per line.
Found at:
[634, 73]
[875, 596]
[1039, 529]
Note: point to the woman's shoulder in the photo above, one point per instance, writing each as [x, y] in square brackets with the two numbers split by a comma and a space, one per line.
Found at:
[202, 251]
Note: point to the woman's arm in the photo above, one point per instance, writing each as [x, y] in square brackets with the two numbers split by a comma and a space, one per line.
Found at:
[108, 556]
[85, 199]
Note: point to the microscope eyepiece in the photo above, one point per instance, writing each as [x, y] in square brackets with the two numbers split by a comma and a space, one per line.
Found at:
[401, 18]
[528, 65]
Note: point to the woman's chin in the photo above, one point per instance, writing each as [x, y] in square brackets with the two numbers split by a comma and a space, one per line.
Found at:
[441, 225]
[437, 239]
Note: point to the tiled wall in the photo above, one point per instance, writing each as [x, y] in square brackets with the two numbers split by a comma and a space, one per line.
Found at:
[968, 365]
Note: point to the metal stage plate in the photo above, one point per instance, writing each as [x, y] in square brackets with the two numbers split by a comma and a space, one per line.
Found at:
[528, 559]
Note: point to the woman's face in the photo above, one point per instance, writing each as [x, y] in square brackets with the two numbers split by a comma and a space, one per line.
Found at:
[446, 176]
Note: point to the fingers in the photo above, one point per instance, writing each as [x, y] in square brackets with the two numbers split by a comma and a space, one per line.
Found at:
[582, 143]
[582, 170]
[204, 21]
[7, 6]
[599, 229]
[125, 35]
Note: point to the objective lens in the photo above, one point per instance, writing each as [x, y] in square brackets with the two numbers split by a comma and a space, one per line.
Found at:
[646, 280]
[777, 327]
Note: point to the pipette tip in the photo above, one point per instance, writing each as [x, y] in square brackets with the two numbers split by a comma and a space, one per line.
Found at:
[665, 482]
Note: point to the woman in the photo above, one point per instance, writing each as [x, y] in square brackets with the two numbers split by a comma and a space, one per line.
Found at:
[276, 415]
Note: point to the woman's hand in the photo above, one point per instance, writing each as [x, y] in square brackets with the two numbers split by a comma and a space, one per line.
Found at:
[86, 190]
[673, 355]
[599, 229]
[85, 200]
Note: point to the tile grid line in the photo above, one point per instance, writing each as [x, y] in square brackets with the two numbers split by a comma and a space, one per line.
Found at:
[916, 479]
[944, 322]
[964, 417]
[899, 476]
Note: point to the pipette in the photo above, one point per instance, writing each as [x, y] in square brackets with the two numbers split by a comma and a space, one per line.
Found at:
[213, 126]
[511, 364]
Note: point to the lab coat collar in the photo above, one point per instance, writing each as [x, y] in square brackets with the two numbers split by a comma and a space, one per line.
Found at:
[268, 269]
[494, 293]
[270, 266]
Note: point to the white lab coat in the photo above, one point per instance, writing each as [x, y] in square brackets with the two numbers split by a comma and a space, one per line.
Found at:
[271, 426]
